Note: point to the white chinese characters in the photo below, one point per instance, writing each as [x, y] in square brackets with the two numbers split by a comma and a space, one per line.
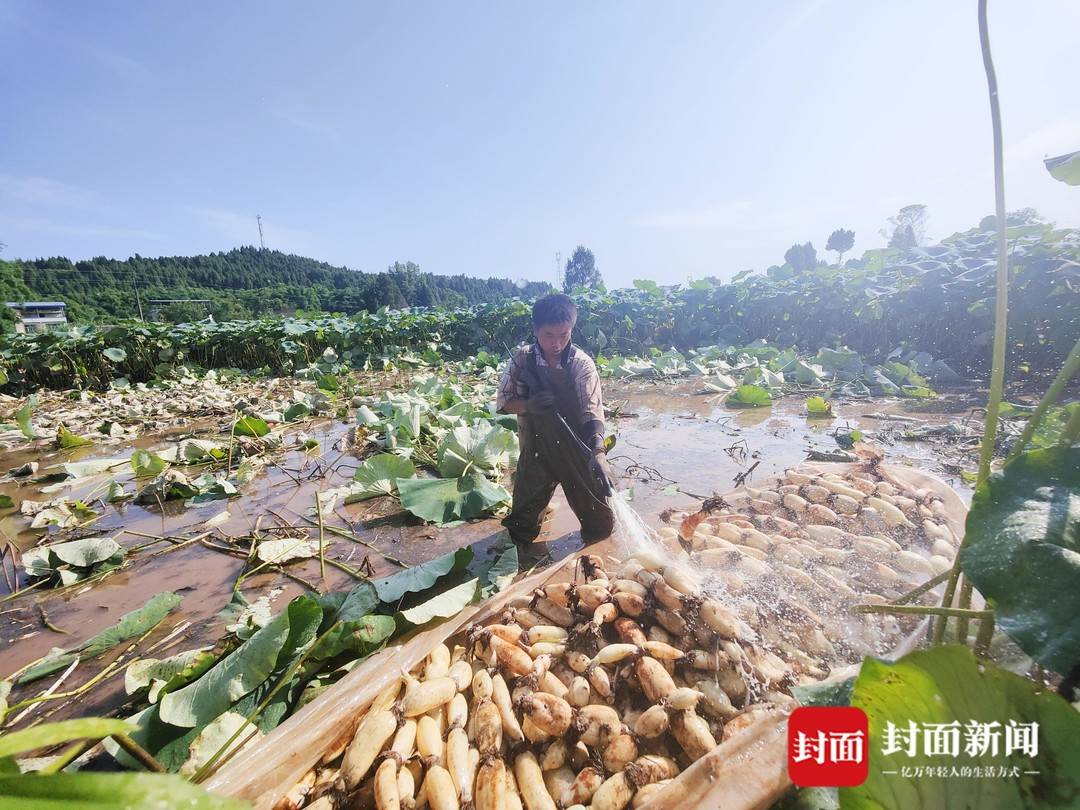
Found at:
[831, 746]
[974, 738]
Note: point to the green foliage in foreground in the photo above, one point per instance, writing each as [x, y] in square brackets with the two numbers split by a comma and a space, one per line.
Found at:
[949, 685]
[936, 299]
[276, 664]
[91, 790]
[1026, 518]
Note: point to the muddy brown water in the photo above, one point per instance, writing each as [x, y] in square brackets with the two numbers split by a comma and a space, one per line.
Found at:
[669, 437]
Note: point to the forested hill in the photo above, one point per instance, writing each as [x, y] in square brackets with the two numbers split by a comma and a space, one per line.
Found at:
[242, 283]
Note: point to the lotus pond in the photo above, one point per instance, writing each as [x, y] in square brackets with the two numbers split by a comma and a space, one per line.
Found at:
[151, 531]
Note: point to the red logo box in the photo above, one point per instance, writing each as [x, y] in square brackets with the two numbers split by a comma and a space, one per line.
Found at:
[828, 746]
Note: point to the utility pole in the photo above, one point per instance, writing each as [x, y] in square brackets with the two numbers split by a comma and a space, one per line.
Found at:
[558, 270]
[138, 300]
[262, 244]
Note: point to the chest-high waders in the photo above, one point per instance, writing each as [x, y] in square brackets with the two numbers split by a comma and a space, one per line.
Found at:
[549, 457]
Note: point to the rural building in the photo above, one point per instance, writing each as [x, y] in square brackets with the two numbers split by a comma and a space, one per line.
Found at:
[38, 316]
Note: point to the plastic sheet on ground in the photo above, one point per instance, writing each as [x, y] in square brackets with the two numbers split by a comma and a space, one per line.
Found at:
[746, 771]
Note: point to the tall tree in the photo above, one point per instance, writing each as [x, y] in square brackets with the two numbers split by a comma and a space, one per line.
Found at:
[802, 258]
[908, 228]
[840, 241]
[581, 270]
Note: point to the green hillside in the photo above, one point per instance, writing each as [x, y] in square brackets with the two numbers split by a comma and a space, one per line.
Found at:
[243, 283]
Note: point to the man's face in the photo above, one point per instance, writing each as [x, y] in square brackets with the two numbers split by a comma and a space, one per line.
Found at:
[553, 337]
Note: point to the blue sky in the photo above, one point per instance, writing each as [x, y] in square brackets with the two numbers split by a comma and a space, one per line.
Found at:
[677, 140]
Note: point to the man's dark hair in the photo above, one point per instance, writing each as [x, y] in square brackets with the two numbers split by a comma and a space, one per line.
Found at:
[554, 309]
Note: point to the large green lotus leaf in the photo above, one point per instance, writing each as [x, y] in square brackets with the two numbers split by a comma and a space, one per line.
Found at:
[298, 410]
[285, 549]
[359, 636]
[833, 693]
[621, 367]
[365, 416]
[378, 476]
[1065, 168]
[168, 486]
[749, 396]
[1023, 553]
[200, 702]
[719, 383]
[156, 672]
[404, 413]
[445, 500]
[805, 373]
[66, 440]
[902, 374]
[198, 451]
[250, 426]
[784, 361]
[879, 384]
[97, 466]
[108, 791]
[86, 552]
[146, 464]
[211, 739]
[30, 739]
[945, 685]
[481, 447]
[501, 572]
[36, 562]
[670, 364]
[759, 375]
[423, 576]
[843, 361]
[130, 625]
[348, 623]
[443, 606]
[23, 415]
[346, 606]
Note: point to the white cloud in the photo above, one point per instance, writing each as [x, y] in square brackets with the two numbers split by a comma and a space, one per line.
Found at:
[243, 229]
[45, 191]
[45, 225]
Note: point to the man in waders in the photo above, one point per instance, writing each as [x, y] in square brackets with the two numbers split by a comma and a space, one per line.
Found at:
[554, 388]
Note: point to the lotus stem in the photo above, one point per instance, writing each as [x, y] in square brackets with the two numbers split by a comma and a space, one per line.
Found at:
[1001, 317]
[918, 591]
[322, 537]
[923, 610]
[140, 754]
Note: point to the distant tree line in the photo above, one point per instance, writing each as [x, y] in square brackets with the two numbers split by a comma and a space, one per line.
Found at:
[905, 231]
[243, 283]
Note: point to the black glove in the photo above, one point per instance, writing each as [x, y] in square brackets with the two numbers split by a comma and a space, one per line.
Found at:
[540, 402]
[600, 469]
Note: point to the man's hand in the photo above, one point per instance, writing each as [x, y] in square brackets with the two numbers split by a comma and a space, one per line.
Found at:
[540, 402]
[600, 469]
